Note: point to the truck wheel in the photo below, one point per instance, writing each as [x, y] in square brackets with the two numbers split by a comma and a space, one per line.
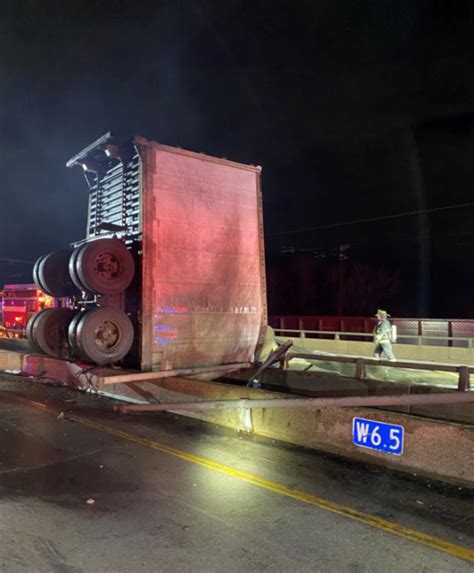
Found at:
[53, 274]
[36, 279]
[72, 267]
[72, 338]
[104, 266]
[30, 334]
[49, 331]
[103, 335]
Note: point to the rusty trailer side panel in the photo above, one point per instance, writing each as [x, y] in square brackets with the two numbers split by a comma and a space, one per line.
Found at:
[203, 270]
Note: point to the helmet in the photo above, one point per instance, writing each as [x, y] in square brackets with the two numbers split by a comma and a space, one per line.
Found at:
[382, 313]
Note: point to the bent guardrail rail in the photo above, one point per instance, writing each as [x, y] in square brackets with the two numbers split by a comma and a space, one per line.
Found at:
[361, 364]
[421, 339]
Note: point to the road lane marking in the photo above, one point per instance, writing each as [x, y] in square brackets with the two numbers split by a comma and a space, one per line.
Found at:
[343, 510]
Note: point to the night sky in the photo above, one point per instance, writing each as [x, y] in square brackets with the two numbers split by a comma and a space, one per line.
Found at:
[355, 110]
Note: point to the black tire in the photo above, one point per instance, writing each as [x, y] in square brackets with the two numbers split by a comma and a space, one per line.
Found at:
[30, 335]
[72, 338]
[104, 335]
[104, 266]
[53, 274]
[72, 267]
[49, 331]
[36, 279]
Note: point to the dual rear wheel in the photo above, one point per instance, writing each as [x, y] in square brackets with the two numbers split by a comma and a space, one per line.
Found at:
[100, 335]
[103, 266]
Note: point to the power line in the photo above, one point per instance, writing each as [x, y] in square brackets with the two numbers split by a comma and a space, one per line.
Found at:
[372, 219]
[8, 260]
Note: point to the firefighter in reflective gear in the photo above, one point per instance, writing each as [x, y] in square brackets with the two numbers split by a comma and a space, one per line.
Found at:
[383, 336]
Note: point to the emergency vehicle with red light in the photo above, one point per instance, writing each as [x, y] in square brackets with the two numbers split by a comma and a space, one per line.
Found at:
[19, 303]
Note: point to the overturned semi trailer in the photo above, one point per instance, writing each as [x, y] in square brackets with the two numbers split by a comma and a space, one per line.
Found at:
[171, 272]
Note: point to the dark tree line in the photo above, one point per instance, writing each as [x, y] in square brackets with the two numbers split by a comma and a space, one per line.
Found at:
[302, 285]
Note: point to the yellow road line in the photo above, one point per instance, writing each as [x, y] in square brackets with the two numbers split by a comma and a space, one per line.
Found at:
[343, 510]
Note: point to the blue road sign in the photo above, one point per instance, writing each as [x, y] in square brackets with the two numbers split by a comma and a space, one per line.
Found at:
[378, 436]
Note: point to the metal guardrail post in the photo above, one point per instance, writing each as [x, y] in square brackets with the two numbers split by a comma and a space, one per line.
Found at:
[301, 327]
[464, 378]
[360, 369]
[337, 336]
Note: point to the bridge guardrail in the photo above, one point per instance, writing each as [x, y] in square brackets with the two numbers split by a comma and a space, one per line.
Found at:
[361, 364]
[421, 340]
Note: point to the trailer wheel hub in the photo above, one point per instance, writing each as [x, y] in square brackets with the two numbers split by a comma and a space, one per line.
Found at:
[107, 266]
[107, 335]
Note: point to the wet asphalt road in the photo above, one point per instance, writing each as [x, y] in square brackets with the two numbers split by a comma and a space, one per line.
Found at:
[160, 502]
